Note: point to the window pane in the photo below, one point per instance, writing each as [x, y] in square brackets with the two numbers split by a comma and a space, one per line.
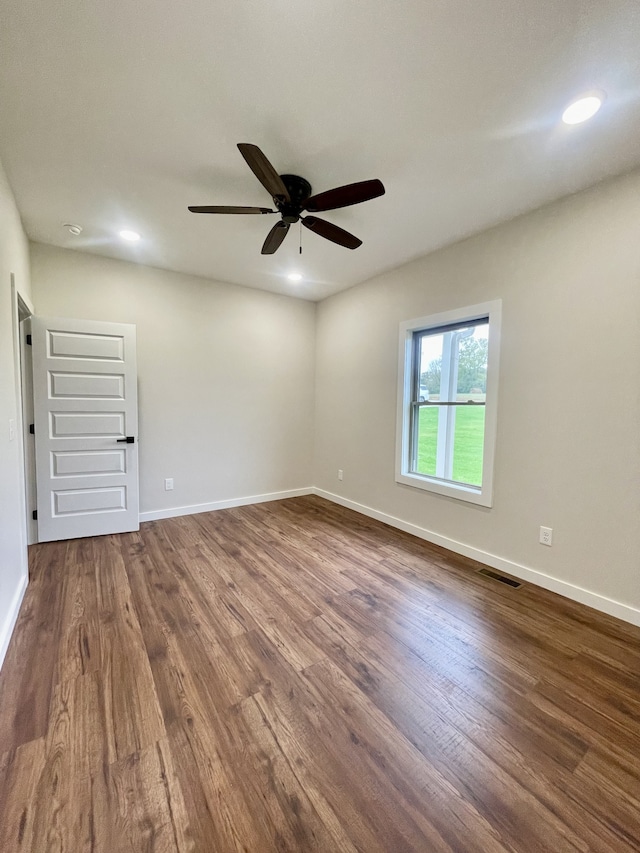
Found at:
[427, 440]
[473, 345]
[453, 364]
[450, 367]
[468, 445]
[430, 361]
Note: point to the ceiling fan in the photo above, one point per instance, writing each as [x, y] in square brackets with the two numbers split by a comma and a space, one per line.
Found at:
[291, 195]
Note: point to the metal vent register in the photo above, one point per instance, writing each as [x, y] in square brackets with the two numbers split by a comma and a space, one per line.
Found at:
[497, 577]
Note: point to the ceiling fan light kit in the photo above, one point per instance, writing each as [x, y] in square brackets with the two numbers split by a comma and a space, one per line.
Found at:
[291, 196]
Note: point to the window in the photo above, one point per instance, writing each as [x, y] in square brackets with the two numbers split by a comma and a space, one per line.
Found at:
[447, 402]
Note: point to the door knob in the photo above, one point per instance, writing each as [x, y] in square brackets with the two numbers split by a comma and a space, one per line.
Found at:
[130, 439]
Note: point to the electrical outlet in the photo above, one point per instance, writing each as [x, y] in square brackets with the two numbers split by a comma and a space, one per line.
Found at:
[168, 484]
[546, 536]
[340, 474]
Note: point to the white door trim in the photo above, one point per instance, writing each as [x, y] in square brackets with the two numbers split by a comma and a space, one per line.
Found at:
[21, 307]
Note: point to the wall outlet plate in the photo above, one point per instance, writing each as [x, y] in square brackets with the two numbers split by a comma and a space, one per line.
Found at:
[546, 536]
[168, 484]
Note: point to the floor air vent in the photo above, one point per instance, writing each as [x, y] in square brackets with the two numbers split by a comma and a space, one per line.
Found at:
[501, 578]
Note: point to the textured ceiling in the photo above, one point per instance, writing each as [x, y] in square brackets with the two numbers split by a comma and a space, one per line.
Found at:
[120, 114]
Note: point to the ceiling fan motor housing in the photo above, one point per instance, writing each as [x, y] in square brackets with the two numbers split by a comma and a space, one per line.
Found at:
[299, 191]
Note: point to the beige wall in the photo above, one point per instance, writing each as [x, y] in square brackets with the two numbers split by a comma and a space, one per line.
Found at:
[568, 446]
[225, 374]
[14, 261]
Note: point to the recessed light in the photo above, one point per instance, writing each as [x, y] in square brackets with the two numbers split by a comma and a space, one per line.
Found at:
[73, 229]
[131, 236]
[294, 276]
[582, 109]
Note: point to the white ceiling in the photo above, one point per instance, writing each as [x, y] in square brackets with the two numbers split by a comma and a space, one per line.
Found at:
[121, 113]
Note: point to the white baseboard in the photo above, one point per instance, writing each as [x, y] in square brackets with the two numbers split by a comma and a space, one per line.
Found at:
[568, 590]
[6, 630]
[193, 509]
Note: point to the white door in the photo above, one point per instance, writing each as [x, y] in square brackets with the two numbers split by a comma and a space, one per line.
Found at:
[86, 427]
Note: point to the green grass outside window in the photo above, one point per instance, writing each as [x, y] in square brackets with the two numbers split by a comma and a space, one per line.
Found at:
[468, 444]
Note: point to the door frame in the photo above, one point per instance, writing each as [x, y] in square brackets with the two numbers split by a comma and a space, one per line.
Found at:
[21, 310]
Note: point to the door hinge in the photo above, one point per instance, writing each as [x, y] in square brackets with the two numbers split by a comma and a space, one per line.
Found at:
[34, 515]
[32, 429]
[29, 341]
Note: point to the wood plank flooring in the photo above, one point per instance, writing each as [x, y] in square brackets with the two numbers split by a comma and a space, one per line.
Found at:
[295, 677]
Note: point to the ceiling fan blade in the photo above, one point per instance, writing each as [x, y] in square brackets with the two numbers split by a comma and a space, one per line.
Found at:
[345, 196]
[263, 170]
[331, 232]
[275, 238]
[208, 208]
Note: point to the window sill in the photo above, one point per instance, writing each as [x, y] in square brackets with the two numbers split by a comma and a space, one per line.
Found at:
[458, 491]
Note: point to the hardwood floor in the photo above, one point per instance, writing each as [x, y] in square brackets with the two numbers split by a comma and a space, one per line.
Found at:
[295, 677]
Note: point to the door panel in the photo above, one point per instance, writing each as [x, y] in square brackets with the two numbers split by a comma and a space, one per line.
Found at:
[85, 395]
[85, 346]
[80, 501]
[87, 424]
[82, 463]
[85, 385]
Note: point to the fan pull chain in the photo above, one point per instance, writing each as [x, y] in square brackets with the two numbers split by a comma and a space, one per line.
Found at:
[300, 236]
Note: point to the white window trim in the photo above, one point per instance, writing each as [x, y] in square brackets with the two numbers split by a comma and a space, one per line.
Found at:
[482, 495]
